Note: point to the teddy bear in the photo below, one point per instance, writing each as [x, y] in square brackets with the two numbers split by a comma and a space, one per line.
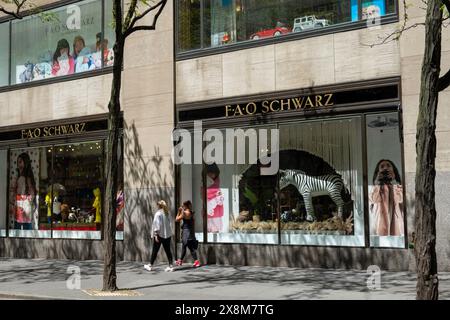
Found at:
[65, 212]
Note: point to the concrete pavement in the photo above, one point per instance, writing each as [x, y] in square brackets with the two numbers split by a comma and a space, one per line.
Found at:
[54, 279]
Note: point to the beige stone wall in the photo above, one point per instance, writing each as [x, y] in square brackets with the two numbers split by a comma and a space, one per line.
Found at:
[328, 59]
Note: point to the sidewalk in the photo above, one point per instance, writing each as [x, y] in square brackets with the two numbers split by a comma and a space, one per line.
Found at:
[46, 279]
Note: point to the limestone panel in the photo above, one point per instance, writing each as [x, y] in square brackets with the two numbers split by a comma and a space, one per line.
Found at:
[199, 79]
[355, 59]
[148, 80]
[305, 63]
[148, 47]
[249, 71]
[148, 172]
[411, 67]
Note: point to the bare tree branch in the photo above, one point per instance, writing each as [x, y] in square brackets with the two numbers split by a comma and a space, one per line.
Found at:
[131, 12]
[160, 6]
[15, 13]
[444, 81]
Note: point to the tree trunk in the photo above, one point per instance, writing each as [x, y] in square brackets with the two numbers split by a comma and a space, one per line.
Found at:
[112, 158]
[425, 210]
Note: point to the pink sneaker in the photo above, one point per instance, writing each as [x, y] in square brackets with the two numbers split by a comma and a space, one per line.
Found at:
[179, 262]
[196, 264]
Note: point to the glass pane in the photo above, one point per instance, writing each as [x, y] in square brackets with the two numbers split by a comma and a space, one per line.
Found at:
[4, 53]
[188, 25]
[321, 198]
[78, 181]
[64, 46]
[241, 201]
[29, 185]
[231, 21]
[386, 207]
[3, 190]
[110, 36]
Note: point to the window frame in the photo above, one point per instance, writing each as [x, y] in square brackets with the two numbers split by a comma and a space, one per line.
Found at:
[75, 76]
[293, 36]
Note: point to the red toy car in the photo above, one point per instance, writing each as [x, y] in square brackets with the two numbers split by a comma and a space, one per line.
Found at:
[278, 30]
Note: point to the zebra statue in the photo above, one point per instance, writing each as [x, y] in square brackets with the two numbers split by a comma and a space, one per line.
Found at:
[310, 186]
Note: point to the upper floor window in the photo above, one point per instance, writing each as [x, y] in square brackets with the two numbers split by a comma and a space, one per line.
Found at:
[74, 41]
[214, 23]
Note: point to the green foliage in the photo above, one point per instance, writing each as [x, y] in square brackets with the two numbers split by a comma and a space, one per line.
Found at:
[251, 196]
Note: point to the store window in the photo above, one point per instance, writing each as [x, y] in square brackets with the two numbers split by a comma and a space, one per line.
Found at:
[321, 184]
[4, 53]
[385, 190]
[229, 193]
[78, 179]
[231, 21]
[73, 41]
[56, 191]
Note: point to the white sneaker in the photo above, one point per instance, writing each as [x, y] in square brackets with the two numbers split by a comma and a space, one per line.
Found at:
[169, 269]
[148, 267]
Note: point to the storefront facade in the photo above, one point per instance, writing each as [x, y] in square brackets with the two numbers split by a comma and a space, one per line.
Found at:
[303, 74]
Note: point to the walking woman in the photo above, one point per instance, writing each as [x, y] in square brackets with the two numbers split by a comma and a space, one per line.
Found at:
[186, 214]
[161, 234]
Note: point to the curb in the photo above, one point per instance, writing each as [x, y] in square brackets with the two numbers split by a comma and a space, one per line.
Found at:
[23, 296]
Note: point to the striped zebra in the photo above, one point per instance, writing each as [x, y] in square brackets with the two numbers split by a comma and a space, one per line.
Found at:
[311, 186]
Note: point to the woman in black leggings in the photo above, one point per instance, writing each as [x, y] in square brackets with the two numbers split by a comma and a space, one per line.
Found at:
[186, 214]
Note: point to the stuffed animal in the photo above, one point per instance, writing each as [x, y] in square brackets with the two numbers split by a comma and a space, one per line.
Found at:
[42, 70]
[27, 75]
[97, 205]
[65, 212]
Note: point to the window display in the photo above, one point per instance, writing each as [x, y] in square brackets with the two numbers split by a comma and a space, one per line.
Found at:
[4, 54]
[79, 168]
[315, 198]
[386, 205]
[73, 41]
[56, 191]
[231, 21]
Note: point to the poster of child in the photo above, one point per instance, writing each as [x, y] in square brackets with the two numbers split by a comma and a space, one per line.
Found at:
[215, 199]
[386, 200]
[23, 201]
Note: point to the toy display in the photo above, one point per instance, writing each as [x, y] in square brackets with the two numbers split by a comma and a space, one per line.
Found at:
[267, 33]
[97, 205]
[309, 186]
[308, 23]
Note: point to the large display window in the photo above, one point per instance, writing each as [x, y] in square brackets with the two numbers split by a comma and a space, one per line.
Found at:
[54, 191]
[321, 182]
[317, 194]
[214, 23]
[74, 40]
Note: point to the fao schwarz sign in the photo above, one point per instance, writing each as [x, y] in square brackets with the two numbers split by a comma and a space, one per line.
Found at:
[302, 103]
[49, 131]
